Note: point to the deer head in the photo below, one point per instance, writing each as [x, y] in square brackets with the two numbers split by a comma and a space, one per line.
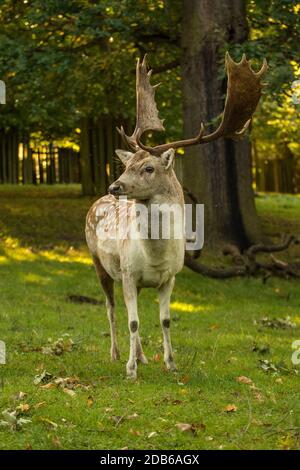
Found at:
[148, 168]
[145, 174]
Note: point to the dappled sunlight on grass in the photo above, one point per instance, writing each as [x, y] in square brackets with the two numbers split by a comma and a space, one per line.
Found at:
[14, 252]
[70, 257]
[35, 278]
[189, 308]
[20, 254]
[3, 260]
[296, 319]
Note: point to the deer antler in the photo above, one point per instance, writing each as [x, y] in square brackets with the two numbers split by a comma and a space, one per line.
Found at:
[146, 110]
[243, 94]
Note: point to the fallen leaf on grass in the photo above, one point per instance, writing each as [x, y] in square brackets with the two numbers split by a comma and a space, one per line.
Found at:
[69, 392]
[200, 426]
[24, 407]
[244, 380]
[157, 358]
[168, 401]
[258, 396]
[176, 402]
[134, 432]
[22, 421]
[56, 442]
[163, 420]
[230, 408]
[10, 417]
[280, 367]
[185, 427]
[48, 386]
[65, 383]
[185, 379]
[276, 323]
[44, 377]
[117, 419]
[20, 396]
[52, 424]
[288, 442]
[71, 383]
[11, 420]
[59, 346]
[152, 434]
[90, 401]
[39, 405]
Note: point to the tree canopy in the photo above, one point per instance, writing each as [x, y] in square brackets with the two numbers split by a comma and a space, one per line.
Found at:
[65, 59]
[62, 60]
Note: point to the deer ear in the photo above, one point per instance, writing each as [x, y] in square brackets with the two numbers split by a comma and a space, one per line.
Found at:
[167, 158]
[123, 155]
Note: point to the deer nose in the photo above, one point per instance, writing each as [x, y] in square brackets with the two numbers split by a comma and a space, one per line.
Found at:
[115, 188]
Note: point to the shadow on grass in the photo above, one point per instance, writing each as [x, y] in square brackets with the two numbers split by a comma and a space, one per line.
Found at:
[43, 217]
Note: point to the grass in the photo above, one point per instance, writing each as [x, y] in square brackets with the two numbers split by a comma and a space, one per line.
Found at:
[280, 213]
[43, 259]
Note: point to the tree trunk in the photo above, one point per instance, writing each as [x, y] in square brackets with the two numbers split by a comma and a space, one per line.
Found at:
[218, 173]
[86, 159]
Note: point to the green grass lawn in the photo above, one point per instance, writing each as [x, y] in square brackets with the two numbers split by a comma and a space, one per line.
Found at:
[216, 331]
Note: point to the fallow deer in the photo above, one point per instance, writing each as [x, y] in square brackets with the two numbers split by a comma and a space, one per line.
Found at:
[148, 179]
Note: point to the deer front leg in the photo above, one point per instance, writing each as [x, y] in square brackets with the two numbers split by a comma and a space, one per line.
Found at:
[164, 293]
[130, 297]
[139, 350]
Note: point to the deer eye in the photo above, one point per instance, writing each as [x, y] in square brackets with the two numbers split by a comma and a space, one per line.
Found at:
[149, 169]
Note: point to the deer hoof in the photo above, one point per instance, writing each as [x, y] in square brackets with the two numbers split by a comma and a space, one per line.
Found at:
[142, 359]
[170, 365]
[131, 370]
[115, 354]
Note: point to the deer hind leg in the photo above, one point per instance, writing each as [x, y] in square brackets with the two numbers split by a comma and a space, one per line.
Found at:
[139, 350]
[107, 284]
[130, 297]
[164, 293]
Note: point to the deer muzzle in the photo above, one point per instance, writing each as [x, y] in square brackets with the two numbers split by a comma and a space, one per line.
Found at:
[115, 188]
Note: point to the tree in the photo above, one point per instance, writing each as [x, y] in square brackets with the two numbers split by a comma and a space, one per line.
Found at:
[66, 62]
[275, 30]
[219, 174]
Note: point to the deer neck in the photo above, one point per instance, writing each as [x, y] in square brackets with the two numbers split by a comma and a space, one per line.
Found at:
[171, 193]
[170, 199]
